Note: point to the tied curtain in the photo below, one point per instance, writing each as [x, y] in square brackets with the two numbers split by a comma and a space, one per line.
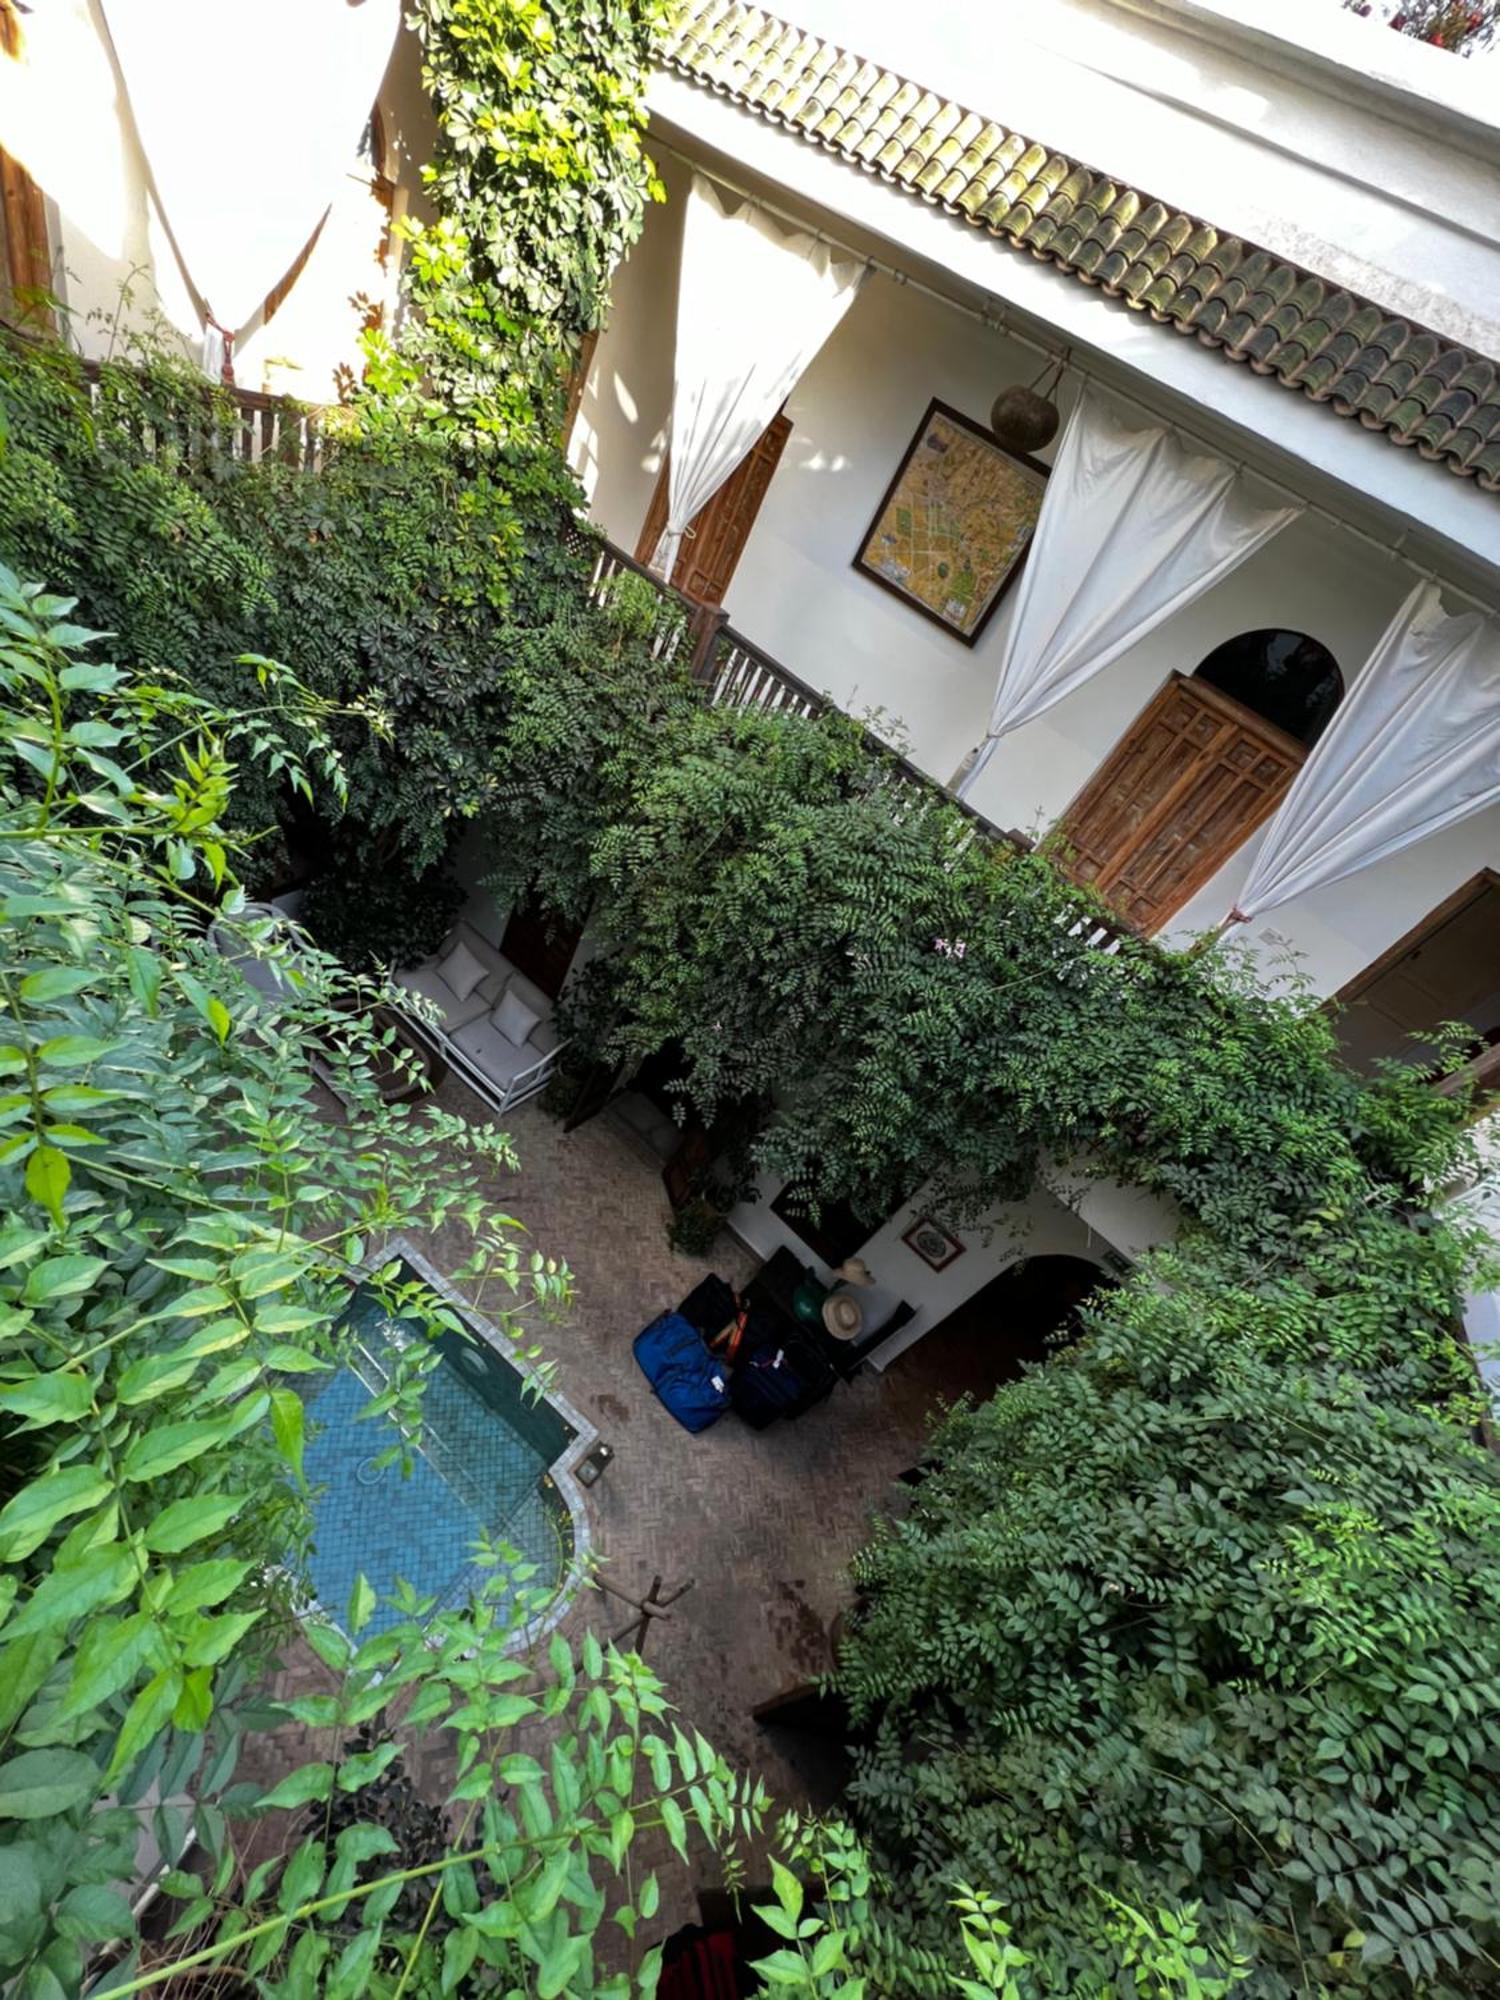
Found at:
[249, 113]
[1133, 526]
[754, 305]
[1413, 749]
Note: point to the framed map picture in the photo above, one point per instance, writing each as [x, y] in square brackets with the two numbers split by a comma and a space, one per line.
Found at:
[955, 523]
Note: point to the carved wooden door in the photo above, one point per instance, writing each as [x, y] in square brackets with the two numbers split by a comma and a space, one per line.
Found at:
[1189, 782]
[540, 946]
[714, 543]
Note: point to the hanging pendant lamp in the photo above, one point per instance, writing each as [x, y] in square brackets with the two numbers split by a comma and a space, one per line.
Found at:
[1024, 418]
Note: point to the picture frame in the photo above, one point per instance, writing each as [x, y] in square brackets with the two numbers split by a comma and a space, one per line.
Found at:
[937, 1247]
[994, 496]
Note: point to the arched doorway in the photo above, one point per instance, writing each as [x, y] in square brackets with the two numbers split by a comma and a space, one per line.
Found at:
[1022, 1315]
[1202, 766]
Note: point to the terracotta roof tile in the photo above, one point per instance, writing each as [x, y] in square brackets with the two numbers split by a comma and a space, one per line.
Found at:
[1415, 386]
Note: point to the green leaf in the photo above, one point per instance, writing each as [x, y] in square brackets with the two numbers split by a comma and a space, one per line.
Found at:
[287, 1427]
[519, 1769]
[145, 1718]
[205, 1583]
[362, 1602]
[144, 971]
[100, 1578]
[62, 1397]
[26, 1521]
[195, 1702]
[787, 1888]
[156, 1375]
[328, 1642]
[161, 1451]
[60, 1278]
[55, 982]
[676, 1826]
[460, 1948]
[184, 1522]
[299, 1788]
[110, 1655]
[74, 1051]
[40, 1784]
[49, 1175]
[95, 1914]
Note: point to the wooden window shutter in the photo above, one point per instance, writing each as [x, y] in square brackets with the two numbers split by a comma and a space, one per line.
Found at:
[23, 217]
[713, 545]
[1188, 783]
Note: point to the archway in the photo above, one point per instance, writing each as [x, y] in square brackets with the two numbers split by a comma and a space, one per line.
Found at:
[1288, 678]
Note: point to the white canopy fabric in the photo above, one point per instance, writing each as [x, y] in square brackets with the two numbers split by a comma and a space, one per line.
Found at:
[754, 305]
[248, 111]
[1413, 748]
[1133, 526]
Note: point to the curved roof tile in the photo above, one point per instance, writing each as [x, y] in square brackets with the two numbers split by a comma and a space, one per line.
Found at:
[1300, 331]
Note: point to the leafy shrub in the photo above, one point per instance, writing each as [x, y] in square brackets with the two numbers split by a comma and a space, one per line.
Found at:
[1199, 1611]
[373, 918]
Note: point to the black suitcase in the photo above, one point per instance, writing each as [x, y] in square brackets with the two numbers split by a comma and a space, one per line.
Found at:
[709, 1306]
[765, 1385]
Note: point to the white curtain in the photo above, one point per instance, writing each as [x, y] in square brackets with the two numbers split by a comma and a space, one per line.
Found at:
[1413, 748]
[1133, 526]
[249, 112]
[754, 305]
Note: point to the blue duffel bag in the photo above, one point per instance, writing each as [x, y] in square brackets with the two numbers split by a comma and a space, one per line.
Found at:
[686, 1377]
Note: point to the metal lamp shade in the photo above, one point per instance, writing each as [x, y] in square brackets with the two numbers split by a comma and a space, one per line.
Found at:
[1022, 420]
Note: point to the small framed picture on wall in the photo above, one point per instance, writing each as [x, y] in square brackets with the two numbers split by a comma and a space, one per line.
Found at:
[932, 1243]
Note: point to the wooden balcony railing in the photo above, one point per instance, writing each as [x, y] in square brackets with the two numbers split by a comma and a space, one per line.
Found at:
[239, 424]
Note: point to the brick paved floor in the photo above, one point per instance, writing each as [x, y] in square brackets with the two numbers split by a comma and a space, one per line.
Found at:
[764, 1522]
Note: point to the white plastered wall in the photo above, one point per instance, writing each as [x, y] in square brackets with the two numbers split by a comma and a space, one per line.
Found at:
[796, 594]
[64, 117]
[1039, 1226]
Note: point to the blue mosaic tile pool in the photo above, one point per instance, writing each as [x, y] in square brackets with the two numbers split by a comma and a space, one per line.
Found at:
[481, 1466]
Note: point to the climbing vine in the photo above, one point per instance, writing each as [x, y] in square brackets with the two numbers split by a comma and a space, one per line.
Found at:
[540, 184]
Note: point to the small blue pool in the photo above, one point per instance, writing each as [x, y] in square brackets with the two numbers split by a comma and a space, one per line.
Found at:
[494, 1458]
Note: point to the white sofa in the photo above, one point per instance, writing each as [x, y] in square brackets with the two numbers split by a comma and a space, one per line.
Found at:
[493, 1025]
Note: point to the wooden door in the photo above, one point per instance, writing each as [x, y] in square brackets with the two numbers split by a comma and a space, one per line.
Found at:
[1189, 782]
[540, 946]
[1446, 969]
[25, 255]
[714, 543]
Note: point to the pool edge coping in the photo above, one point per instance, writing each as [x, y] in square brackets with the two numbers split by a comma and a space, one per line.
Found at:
[562, 1471]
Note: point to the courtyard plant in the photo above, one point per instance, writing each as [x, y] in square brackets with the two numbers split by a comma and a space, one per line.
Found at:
[181, 1233]
[1207, 1608]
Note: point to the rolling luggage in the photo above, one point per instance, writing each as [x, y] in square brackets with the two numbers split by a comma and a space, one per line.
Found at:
[766, 1384]
[687, 1379]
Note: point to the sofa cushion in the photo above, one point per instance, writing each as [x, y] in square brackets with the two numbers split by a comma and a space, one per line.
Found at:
[514, 1018]
[453, 1013]
[494, 1055]
[461, 971]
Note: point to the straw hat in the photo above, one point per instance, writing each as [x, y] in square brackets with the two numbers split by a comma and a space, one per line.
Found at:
[842, 1315]
[855, 1271]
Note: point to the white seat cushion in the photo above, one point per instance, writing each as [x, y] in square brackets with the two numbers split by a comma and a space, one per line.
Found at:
[453, 1012]
[495, 1055]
